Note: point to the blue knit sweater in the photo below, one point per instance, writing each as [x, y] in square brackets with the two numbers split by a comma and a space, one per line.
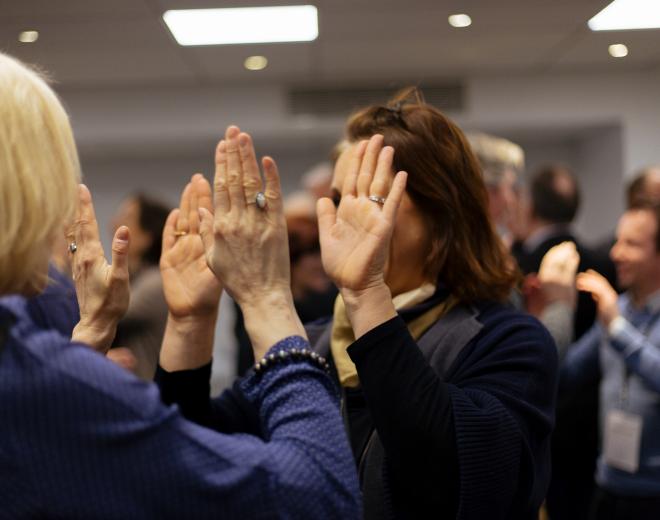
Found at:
[82, 438]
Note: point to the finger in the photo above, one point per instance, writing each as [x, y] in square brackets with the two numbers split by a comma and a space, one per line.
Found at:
[204, 196]
[394, 198]
[368, 165]
[597, 276]
[382, 180]
[353, 168]
[206, 230]
[326, 213]
[234, 170]
[587, 283]
[169, 231]
[193, 216]
[221, 193]
[273, 190]
[251, 177]
[184, 209]
[122, 357]
[85, 228]
[120, 245]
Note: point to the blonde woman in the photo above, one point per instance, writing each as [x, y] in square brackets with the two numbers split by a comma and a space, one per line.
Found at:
[82, 438]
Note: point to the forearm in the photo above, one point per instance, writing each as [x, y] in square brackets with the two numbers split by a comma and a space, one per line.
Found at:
[410, 405]
[190, 391]
[641, 357]
[558, 319]
[188, 342]
[306, 444]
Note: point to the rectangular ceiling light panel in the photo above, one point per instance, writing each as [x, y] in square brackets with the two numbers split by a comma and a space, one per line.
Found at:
[623, 15]
[296, 23]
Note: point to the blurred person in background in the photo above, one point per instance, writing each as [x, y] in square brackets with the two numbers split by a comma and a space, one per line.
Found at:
[82, 438]
[141, 330]
[622, 351]
[644, 188]
[554, 200]
[502, 164]
[318, 181]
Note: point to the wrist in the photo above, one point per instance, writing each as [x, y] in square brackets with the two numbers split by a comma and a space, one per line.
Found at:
[99, 337]
[368, 308]
[187, 343]
[271, 319]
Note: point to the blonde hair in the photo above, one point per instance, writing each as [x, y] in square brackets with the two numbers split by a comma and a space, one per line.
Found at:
[496, 155]
[39, 174]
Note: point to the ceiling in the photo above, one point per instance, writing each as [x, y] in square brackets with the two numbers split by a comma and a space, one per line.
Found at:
[124, 43]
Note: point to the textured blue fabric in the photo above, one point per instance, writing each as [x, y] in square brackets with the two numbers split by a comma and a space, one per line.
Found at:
[82, 438]
[56, 307]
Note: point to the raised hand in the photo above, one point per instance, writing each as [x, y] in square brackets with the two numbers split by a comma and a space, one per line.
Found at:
[102, 289]
[191, 289]
[355, 237]
[246, 245]
[603, 294]
[557, 274]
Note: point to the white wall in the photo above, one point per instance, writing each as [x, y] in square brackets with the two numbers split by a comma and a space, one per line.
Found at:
[154, 138]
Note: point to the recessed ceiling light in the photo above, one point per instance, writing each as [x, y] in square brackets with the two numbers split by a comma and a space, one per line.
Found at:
[256, 62]
[296, 23]
[627, 14]
[618, 50]
[28, 36]
[460, 20]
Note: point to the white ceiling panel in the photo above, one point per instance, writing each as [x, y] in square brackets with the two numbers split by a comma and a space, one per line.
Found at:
[97, 43]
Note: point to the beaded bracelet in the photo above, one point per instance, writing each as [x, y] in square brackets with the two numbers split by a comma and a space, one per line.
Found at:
[283, 356]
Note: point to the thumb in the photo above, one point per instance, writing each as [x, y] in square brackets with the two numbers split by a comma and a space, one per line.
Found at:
[206, 228]
[327, 215]
[120, 244]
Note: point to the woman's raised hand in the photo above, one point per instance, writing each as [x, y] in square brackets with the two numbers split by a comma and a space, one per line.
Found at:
[355, 237]
[102, 289]
[191, 290]
[246, 243]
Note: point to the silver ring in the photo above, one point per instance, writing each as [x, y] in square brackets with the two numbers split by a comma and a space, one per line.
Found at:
[377, 199]
[260, 200]
[73, 247]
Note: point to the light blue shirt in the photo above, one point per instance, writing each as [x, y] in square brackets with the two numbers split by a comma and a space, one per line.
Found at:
[627, 359]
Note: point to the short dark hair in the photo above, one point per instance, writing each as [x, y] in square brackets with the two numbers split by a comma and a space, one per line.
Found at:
[153, 215]
[550, 201]
[638, 190]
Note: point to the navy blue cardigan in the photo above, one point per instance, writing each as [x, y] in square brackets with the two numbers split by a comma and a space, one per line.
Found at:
[487, 424]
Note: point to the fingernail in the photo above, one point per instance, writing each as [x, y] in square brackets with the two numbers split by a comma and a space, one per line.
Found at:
[122, 234]
[243, 140]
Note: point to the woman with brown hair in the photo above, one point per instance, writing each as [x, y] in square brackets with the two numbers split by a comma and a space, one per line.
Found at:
[447, 393]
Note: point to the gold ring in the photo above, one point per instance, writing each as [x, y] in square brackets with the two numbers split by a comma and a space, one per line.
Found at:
[180, 233]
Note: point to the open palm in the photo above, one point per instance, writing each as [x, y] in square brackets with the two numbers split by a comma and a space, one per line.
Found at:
[355, 237]
[190, 288]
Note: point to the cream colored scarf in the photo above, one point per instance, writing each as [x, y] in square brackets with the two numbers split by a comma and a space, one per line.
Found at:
[342, 333]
